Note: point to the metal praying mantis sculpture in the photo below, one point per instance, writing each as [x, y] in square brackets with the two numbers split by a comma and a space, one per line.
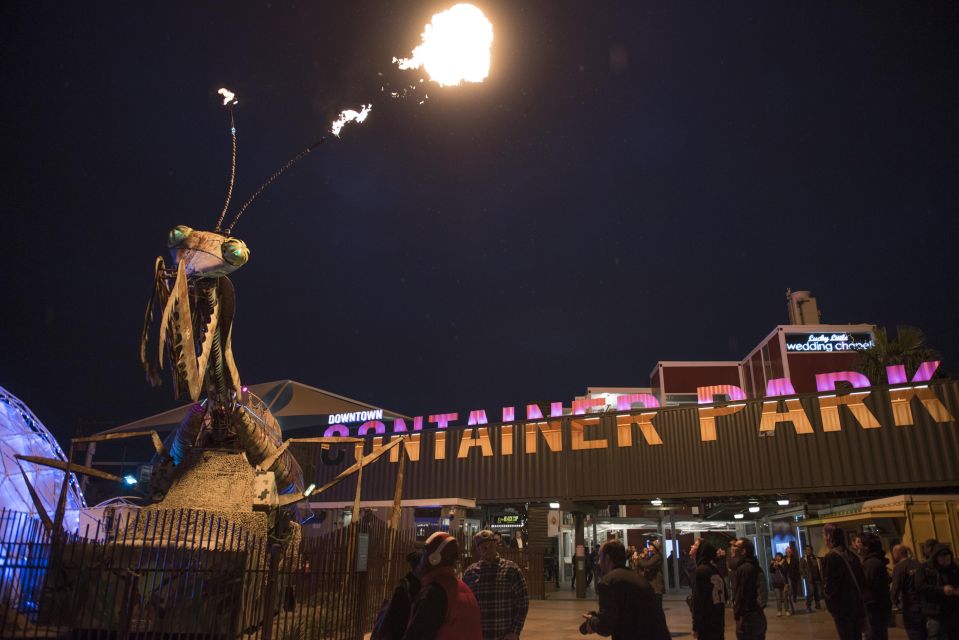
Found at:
[198, 302]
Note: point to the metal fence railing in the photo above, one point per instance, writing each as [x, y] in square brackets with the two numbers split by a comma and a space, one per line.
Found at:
[190, 574]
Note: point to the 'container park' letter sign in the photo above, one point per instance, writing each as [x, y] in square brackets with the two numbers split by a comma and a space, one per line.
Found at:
[543, 430]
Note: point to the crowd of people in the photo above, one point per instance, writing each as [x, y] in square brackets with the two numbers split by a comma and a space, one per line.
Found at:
[431, 602]
[490, 601]
[854, 580]
[859, 588]
[860, 593]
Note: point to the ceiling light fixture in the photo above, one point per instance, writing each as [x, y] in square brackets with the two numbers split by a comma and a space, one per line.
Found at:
[754, 509]
[783, 502]
[656, 502]
[738, 516]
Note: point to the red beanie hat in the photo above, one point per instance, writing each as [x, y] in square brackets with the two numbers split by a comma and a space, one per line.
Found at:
[441, 550]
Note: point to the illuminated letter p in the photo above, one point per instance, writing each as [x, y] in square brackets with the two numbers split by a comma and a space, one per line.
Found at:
[708, 415]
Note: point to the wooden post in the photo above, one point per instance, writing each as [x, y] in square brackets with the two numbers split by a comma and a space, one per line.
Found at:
[60, 513]
[361, 580]
[358, 452]
[398, 491]
[393, 532]
[354, 516]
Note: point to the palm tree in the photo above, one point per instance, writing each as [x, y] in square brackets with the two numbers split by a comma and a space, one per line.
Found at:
[909, 349]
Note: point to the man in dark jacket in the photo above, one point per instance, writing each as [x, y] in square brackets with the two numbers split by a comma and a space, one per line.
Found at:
[842, 579]
[688, 564]
[939, 589]
[875, 591]
[812, 573]
[627, 605]
[906, 575]
[397, 616]
[750, 590]
[709, 595]
[650, 565]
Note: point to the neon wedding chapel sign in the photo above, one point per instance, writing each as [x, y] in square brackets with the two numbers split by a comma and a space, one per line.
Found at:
[828, 342]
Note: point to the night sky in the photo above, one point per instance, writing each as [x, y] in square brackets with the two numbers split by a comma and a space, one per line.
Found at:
[636, 181]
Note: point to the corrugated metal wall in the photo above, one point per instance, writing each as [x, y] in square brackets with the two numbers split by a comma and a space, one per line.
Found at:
[740, 461]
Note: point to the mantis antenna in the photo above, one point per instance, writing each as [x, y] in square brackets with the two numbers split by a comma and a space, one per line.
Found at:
[292, 161]
[229, 99]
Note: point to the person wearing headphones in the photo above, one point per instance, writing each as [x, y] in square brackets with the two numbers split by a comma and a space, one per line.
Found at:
[445, 608]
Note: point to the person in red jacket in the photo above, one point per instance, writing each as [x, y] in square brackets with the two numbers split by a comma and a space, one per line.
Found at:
[445, 608]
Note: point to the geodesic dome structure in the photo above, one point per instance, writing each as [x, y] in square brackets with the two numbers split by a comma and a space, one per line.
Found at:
[22, 433]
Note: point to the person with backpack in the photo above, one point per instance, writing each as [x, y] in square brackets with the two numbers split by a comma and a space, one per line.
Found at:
[905, 591]
[445, 608]
[394, 615]
[777, 573]
[709, 595]
[842, 580]
[749, 598]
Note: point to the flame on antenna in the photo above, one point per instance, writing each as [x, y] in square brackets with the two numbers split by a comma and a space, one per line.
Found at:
[349, 115]
[229, 98]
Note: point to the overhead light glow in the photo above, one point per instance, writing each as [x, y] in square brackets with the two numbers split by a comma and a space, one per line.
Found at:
[738, 516]
[309, 489]
[554, 505]
[456, 47]
[656, 502]
[754, 509]
[782, 503]
[129, 480]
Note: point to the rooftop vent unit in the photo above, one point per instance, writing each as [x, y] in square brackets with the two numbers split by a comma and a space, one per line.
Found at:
[802, 307]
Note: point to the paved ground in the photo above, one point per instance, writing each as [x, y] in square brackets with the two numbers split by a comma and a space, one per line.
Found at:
[559, 616]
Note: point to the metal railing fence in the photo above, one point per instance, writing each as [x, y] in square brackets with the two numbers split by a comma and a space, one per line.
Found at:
[191, 574]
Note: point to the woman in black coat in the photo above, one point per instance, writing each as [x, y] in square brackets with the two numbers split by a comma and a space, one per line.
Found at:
[793, 576]
[777, 574]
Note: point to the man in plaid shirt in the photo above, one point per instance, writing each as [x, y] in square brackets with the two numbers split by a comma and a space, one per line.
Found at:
[500, 590]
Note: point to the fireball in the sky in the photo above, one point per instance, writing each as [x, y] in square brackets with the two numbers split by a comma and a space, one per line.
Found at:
[455, 48]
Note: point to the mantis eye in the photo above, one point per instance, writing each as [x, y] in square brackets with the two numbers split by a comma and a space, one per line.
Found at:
[178, 234]
[235, 252]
